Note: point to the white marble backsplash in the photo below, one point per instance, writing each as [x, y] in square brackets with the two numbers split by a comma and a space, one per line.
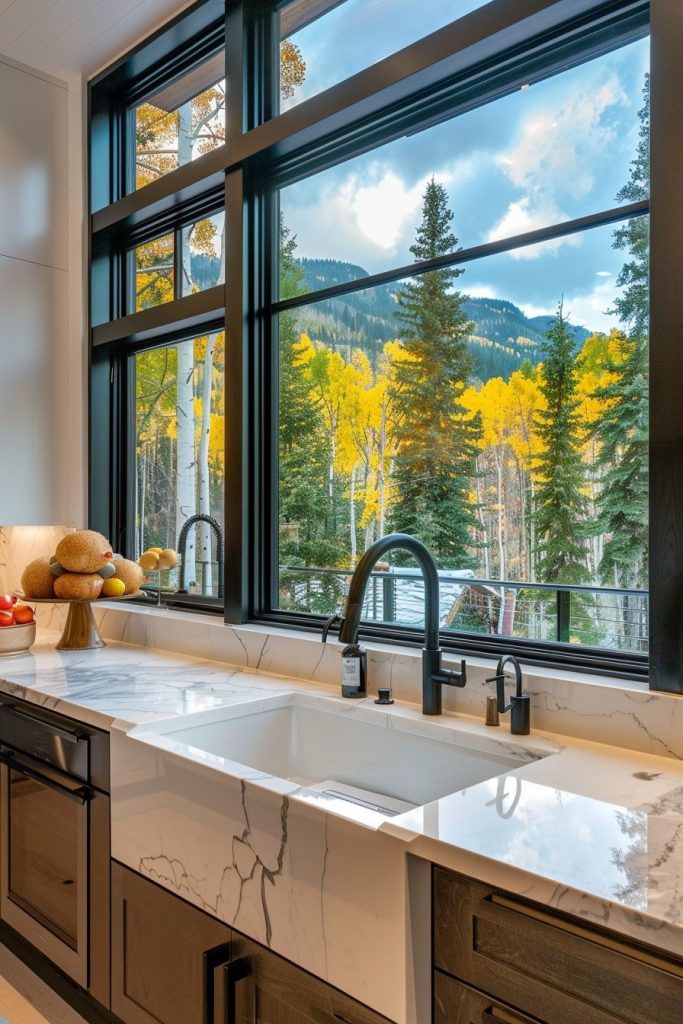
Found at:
[617, 712]
[19, 545]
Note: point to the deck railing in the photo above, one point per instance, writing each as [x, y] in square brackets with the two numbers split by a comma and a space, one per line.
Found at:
[608, 617]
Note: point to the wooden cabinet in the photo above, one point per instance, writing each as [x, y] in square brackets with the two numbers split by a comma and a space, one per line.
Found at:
[455, 1003]
[263, 988]
[166, 955]
[542, 965]
[174, 964]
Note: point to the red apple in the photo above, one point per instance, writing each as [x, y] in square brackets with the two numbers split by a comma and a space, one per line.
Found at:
[7, 602]
[6, 618]
[23, 613]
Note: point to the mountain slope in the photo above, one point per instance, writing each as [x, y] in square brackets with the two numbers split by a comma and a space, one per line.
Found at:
[503, 337]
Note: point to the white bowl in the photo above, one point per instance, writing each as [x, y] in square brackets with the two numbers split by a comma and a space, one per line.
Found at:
[16, 639]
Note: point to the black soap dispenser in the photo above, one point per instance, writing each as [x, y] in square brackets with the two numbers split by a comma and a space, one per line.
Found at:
[354, 671]
[354, 664]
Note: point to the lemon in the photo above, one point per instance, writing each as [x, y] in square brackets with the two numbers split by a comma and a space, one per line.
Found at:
[113, 587]
[149, 559]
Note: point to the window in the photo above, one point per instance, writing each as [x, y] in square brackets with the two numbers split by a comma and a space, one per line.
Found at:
[327, 41]
[179, 122]
[490, 180]
[154, 272]
[179, 467]
[201, 262]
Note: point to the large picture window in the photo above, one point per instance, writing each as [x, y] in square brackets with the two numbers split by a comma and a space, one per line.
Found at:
[497, 408]
[419, 287]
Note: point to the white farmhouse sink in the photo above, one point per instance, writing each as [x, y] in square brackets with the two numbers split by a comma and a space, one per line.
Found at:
[331, 745]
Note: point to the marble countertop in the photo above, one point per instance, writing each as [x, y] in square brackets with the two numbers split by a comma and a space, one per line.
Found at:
[121, 685]
[593, 830]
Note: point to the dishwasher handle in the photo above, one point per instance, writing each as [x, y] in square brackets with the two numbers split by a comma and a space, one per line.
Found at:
[80, 795]
[68, 735]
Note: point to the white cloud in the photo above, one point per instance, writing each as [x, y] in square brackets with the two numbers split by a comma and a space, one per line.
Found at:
[603, 273]
[524, 215]
[589, 309]
[558, 150]
[382, 209]
[481, 291]
[585, 309]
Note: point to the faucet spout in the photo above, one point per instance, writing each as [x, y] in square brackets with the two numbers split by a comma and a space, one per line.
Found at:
[182, 545]
[434, 676]
[520, 705]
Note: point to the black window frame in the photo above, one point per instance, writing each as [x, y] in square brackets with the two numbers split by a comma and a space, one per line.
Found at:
[484, 54]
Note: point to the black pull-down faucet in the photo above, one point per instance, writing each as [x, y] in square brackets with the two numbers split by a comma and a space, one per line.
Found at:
[434, 676]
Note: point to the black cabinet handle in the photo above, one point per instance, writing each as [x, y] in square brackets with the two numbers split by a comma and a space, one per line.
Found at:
[233, 973]
[212, 958]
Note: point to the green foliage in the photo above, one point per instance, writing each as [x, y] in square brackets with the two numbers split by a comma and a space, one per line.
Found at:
[623, 427]
[435, 440]
[561, 505]
[306, 509]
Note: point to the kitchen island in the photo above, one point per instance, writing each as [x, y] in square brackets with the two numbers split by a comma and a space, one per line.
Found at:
[592, 831]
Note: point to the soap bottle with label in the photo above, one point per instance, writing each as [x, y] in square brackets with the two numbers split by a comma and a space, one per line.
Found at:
[354, 670]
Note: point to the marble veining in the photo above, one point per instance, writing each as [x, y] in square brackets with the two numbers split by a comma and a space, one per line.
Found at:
[613, 711]
[593, 830]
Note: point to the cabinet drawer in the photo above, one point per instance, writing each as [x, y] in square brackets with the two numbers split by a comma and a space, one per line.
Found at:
[550, 968]
[455, 1003]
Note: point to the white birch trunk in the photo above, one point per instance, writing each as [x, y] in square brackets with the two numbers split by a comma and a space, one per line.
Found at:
[204, 475]
[352, 518]
[186, 498]
[381, 472]
[482, 520]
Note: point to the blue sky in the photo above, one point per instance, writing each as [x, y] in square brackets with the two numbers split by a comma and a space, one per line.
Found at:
[551, 152]
[358, 33]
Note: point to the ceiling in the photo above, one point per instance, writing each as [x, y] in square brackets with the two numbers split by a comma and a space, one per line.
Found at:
[77, 37]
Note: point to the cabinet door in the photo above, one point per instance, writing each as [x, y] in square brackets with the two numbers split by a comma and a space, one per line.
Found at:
[165, 954]
[262, 988]
[553, 968]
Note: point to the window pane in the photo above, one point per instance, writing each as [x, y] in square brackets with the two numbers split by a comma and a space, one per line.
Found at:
[326, 41]
[558, 150]
[500, 415]
[180, 122]
[180, 454]
[203, 249]
[153, 264]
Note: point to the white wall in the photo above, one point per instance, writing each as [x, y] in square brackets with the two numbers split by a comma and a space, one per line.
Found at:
[36, 415]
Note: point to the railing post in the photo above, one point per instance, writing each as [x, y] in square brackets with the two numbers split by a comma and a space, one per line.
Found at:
[389, 598]
[563, 612]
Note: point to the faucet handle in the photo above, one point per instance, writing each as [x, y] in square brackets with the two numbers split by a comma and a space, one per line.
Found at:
[499, 680]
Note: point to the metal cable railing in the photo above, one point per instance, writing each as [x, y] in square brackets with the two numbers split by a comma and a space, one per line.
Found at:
[608, 617]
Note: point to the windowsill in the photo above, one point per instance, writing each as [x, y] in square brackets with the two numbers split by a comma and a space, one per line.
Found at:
[620, 712]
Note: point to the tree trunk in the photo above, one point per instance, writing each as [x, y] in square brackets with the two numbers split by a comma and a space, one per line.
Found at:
[381, 471]
[186, 499]
[352, 518]
[480, 513]
[142, 497]
[204, 475]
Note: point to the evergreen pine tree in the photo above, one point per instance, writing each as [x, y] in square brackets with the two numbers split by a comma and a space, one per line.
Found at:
[435, 444]
[307, 533]
[561, 506]
[623, 427]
